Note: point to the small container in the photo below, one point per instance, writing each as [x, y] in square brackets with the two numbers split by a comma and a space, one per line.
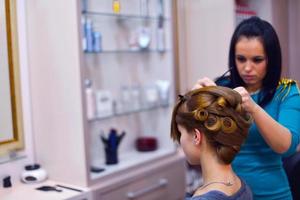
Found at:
[146, 143]
[33, 174]
[90, 100]
[97, 42]
[89, 35]
[116, 6]
[84, 5]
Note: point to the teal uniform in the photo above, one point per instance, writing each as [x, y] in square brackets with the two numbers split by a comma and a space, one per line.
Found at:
[257, 164]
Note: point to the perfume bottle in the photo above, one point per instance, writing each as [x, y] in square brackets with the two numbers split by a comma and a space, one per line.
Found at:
[90, 100]
[89, 35]
[116, 5]
[160, 28]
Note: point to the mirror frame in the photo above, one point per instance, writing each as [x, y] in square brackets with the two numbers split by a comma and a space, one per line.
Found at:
[17, 141]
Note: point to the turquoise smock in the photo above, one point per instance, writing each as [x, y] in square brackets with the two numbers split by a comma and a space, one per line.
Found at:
[259, 166]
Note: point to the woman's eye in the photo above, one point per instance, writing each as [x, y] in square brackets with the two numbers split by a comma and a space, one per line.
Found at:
[258, 60]
[241, 59]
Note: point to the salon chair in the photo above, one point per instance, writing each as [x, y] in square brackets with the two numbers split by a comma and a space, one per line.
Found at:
[292, 167]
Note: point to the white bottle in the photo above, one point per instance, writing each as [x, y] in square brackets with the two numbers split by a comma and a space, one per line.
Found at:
[90, 100]
[160, 35]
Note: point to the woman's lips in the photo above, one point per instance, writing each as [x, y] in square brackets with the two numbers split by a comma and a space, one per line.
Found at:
[248, 78]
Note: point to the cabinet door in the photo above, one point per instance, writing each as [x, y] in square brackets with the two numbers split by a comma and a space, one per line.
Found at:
[167, 184]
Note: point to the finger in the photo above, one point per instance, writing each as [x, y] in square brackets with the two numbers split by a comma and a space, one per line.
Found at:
[208, 82]
[197, 86]
[242, 91]
[239, 89]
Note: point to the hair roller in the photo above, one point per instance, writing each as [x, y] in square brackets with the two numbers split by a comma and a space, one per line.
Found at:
[200, 114]
[228, 125]
[212, 123]
[221, 102]
[238, 108]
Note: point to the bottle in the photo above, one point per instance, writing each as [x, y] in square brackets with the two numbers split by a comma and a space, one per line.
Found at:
[97, 44]
[84, 5]
[84, 34]
[90, 100]
[89, 35]
[144, 8]
[160, 35]
[116, 5]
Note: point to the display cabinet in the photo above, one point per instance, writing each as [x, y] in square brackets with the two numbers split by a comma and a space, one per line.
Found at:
[97, 68]
[131, 68]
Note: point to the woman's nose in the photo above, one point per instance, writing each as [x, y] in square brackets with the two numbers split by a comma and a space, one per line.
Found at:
[248, 66]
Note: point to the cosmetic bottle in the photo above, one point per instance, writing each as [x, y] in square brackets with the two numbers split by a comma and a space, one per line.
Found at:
[160, 7]
[160, 34]
[97, 43]
[135, 97]
[126, 99]
[90, 100]
[151, 96]
[164, 91]
[144, 8]
[116, 6]
[89, 35]
[84, 5]
[104, 103]
[83, 35]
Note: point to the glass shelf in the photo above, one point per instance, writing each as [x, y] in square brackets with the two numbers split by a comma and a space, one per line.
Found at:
[131, 159]
[12, 156]
[129, 51]
[123, 16]
[129, 112]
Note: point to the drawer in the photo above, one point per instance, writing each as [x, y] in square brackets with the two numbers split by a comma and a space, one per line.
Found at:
[167, 183]
[153, 188]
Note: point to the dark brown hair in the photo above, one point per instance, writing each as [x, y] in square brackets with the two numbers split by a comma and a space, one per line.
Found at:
[217, 112]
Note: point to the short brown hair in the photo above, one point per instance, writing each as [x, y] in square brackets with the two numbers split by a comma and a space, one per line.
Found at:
[217, 112]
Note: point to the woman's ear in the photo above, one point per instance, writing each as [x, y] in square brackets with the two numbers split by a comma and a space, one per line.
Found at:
[197, 136]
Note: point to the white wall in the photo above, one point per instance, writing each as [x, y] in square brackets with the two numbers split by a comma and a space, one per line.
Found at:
[276, 12]
[262, 8]
[55, 76]
[14, 168]
[294, 39]
[208, 27]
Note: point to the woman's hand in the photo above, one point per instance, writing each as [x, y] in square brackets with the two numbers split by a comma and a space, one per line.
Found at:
[203, 82]
[247, 103]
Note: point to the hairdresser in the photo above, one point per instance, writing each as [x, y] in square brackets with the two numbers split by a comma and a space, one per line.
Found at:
[274, 103]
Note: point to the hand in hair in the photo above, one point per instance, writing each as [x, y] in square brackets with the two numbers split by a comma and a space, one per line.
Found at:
[203, 82]
[247, 102]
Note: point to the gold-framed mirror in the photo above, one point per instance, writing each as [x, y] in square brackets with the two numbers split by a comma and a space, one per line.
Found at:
[11, 123]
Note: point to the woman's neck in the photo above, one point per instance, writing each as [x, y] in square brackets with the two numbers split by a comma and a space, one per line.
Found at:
[253, 88]
[213, 170]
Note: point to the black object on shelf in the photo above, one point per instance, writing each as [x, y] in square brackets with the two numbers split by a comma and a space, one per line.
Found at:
[32, 167]
[96, 169]
[48, 188]
[67, 187]
[6, 182]
[111, 146]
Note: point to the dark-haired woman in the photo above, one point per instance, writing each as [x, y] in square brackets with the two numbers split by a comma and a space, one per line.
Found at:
[210, 125]
[274, 103]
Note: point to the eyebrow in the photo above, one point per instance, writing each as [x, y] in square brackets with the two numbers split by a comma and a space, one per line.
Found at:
[257, 56]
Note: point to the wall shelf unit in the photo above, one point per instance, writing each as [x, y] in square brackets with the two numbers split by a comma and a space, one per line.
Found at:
[124, 16]
[61, 73]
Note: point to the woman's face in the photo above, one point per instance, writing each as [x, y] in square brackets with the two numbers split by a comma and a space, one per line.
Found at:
[189, 148]
[251, 62]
